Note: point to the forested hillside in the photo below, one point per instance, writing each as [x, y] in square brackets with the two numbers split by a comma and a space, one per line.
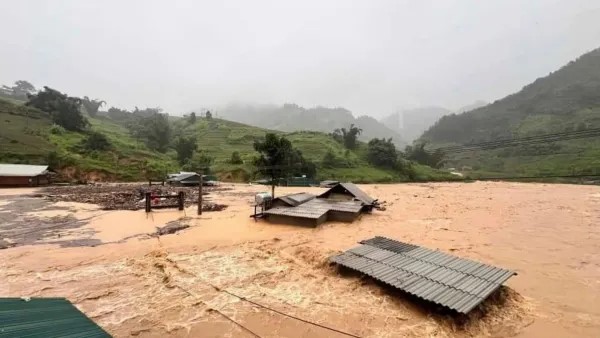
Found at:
[564, 101]
[558, 102]
[117, 144]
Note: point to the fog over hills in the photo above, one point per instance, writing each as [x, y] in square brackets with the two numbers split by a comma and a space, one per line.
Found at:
[292, 117]
[368, 57]
[411, 123]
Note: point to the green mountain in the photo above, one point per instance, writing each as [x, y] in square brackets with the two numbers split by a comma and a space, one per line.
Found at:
[565, 100]
[29, 136]
[291, 117]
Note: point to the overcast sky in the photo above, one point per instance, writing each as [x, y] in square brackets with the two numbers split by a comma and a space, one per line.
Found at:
[372, 57]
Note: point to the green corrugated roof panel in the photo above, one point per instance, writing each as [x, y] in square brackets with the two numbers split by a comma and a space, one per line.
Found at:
[45, 317]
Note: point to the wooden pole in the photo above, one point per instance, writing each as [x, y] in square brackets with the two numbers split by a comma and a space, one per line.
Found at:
[200, 195]
[180, 200]
[148, 202]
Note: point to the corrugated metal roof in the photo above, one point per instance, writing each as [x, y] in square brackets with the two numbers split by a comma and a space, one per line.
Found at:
[315, 208]
[353, 190]
[22, 170]
[312, 213]
[184, 177]
[296, 199]
[457, 283]
[45, 317]
[358, 193]
[346, 206]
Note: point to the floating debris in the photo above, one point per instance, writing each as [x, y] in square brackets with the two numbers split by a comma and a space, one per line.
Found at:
[126, 196]
[171, 228]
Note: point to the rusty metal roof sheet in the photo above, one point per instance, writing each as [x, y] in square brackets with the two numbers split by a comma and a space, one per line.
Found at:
[457, 283]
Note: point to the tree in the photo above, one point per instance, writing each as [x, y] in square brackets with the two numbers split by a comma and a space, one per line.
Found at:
[208, 115]
[96, 141]
[120, 115]
[185, 147]
[236, 158]
[148, 112]
[199, 161]
[21, 90]
[155, 130]
[92, 106]
[418, 154]
[337, 135]
[329, 160]
[192, 118]
[348, 137]
[382, 153]
[279, 159]
[64, 110]
[53, 160]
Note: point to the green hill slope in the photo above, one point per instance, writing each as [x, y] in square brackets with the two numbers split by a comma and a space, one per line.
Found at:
[219, 138]
[565, 100]
[291, 117]
[30, 137]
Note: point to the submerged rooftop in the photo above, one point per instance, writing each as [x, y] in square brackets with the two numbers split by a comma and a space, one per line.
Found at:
[456, 283]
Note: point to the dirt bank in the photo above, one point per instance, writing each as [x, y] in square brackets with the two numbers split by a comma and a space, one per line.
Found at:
[190, 283]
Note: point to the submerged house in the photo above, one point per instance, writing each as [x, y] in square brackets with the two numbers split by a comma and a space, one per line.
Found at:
[24, 175]
[343, 203]
[184, 179]
[190, 179]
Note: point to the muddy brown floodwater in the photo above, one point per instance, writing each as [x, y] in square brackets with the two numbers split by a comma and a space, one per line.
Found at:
[185, 284]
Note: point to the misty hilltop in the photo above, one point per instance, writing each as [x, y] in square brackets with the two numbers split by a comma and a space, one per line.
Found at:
[549, 104]
[292, 117]
[565, 102]
[411, 123]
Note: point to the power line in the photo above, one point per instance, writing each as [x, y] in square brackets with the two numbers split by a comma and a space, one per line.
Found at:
[587, 131]
[564, 136]
[266, 308]
[288, 315]
[254, 334]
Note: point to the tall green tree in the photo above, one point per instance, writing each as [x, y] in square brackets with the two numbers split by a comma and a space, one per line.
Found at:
[192, 118]
[382, 153]
[64, 110]
[92, 106]
[348, 137]
[351, 136]
[154, 130]
[278, 158]
[208, 115]
[185, 147]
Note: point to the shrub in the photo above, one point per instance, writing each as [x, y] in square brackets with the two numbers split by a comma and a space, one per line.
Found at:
[96, 141]
[57, 130]
[236, 158]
